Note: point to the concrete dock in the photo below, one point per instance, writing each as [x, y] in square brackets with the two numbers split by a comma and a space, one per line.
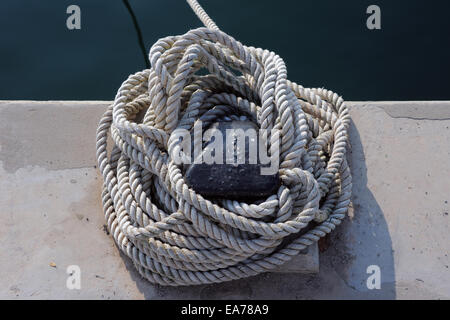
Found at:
[51, 216]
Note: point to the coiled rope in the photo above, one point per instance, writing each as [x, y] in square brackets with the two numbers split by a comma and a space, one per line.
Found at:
[174, 235]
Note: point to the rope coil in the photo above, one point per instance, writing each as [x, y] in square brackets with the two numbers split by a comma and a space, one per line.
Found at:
[175, 236]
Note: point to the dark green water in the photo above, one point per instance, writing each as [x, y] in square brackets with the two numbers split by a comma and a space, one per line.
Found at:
[325, 43]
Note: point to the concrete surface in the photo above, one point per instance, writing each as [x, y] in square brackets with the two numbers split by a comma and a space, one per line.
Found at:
[50, 213]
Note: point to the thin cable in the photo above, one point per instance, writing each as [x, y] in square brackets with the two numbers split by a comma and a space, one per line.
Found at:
[138, 32]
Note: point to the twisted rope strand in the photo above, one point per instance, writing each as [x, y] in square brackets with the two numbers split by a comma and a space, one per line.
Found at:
[175, 236]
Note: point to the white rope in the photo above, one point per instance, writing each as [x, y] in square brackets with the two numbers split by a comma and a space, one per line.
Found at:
[174, 235]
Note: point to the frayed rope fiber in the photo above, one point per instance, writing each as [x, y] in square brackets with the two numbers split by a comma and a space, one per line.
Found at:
[175, 236]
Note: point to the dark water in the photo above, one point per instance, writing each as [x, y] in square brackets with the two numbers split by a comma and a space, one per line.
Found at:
[325, 43]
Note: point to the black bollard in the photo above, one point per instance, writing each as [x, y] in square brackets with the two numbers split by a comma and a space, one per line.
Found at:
[236, 180]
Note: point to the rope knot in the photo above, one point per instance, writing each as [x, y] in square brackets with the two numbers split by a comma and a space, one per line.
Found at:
[200, 77]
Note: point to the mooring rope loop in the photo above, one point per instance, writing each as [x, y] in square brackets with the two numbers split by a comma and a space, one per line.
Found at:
[174, 235]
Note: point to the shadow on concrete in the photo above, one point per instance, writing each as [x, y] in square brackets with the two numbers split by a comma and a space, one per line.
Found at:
[362, 240]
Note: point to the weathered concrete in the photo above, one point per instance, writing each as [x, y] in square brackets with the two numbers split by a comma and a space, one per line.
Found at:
[51, 217]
